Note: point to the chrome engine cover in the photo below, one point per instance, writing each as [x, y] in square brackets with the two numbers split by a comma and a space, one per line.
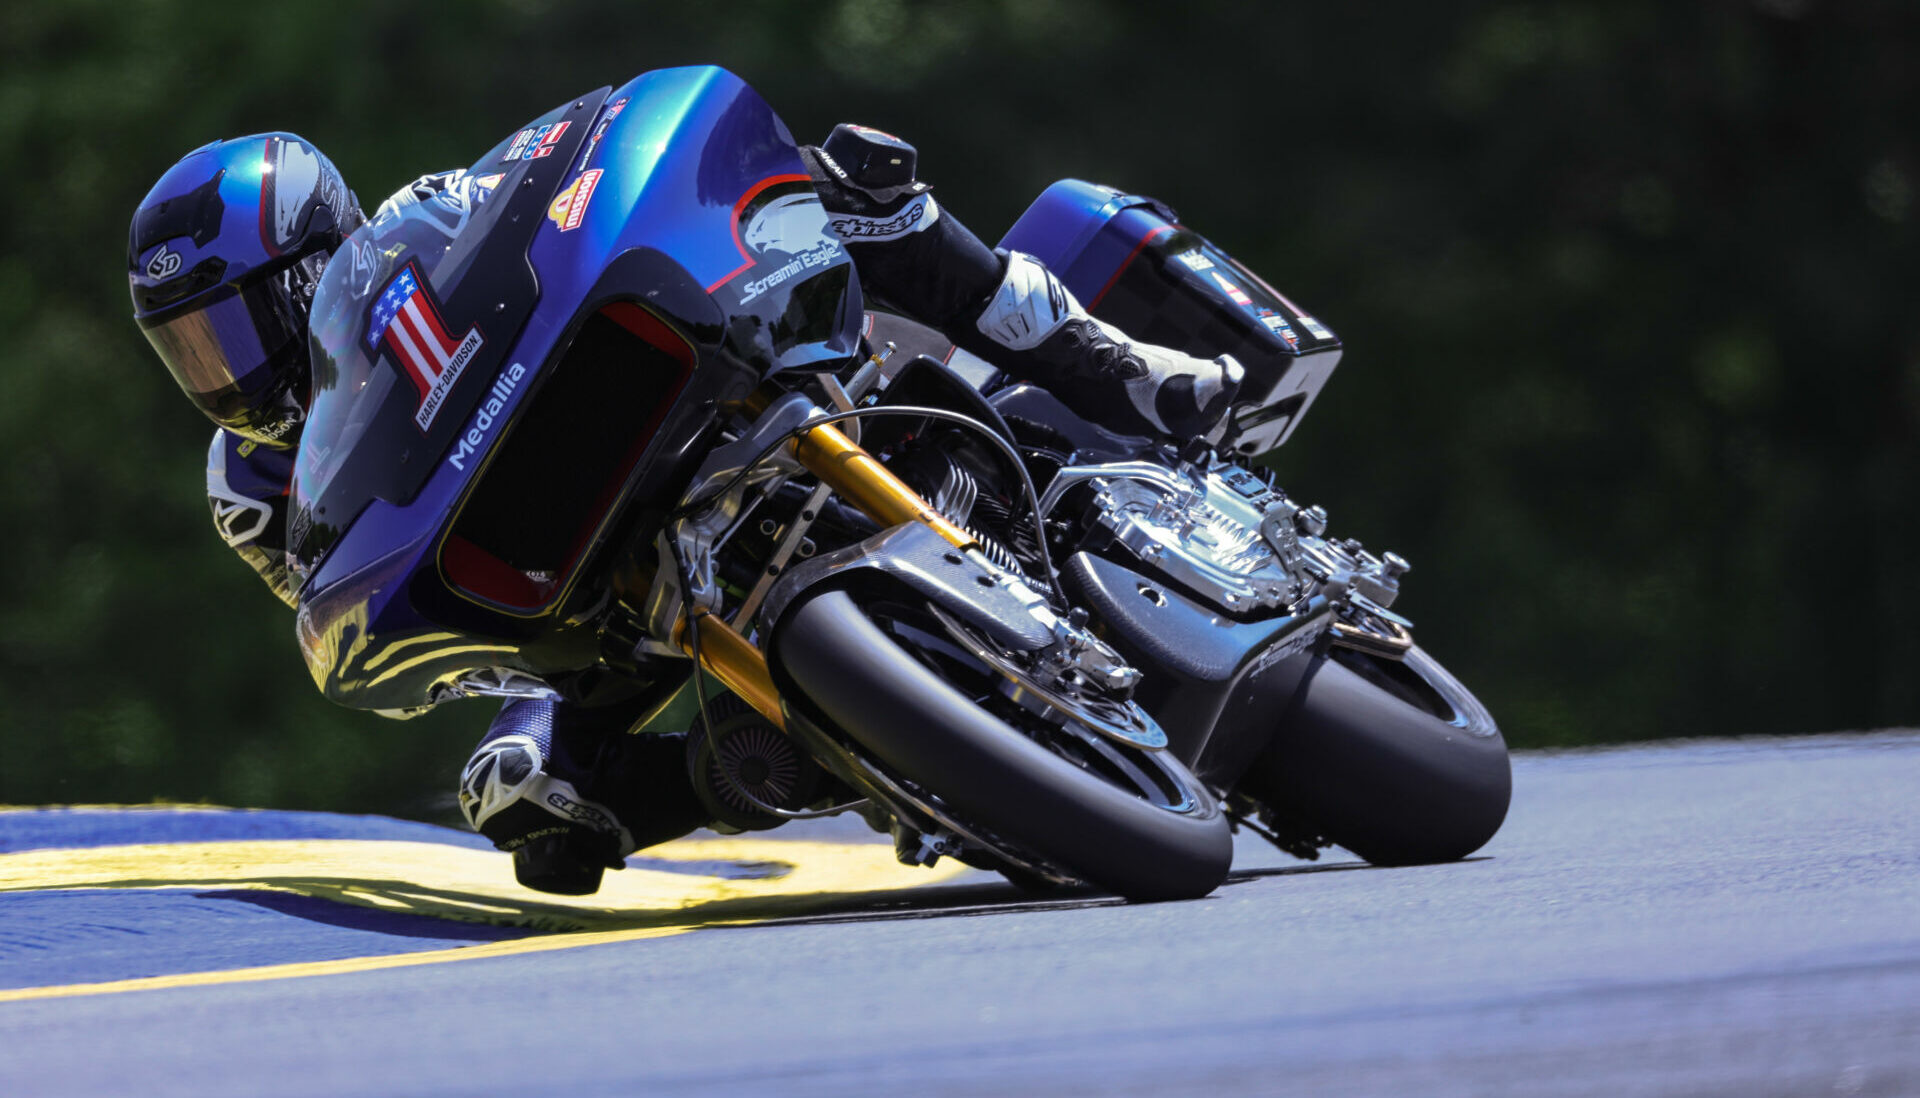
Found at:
[1228, 537]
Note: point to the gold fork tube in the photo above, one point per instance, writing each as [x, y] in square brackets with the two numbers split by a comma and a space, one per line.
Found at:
[734, 660]
[841, 464]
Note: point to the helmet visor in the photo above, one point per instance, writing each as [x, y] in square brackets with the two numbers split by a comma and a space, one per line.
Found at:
[224, 354]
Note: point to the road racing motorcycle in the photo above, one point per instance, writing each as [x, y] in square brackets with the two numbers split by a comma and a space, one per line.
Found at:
[610, 409]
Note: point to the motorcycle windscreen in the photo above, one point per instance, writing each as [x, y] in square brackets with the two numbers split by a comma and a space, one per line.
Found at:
[411, 324]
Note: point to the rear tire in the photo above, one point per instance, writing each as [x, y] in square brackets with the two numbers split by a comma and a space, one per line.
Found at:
[1128, 820]
[1393, 760]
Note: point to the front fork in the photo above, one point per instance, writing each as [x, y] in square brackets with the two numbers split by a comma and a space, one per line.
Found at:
[857, 477]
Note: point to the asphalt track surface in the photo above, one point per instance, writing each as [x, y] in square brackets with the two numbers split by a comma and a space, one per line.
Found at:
[1736, 918]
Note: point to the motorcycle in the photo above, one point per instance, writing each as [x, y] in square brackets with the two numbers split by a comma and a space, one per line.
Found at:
[610, 410]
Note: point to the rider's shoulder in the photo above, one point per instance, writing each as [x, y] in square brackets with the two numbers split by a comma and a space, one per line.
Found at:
[241, 466]
[444, 200]
[424, 189]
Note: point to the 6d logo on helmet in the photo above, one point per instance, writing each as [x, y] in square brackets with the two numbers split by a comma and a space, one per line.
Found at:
[164, 264]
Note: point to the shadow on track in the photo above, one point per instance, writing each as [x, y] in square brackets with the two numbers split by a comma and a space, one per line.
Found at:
[391, 906]
[977, 898]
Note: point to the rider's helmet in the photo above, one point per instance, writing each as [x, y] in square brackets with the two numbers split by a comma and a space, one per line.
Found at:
[223, 258]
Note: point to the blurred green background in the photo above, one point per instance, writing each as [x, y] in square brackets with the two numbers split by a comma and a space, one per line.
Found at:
[1628, 289]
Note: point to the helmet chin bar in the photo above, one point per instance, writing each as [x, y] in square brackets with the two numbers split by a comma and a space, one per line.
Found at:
[303, 278]
[277, 420]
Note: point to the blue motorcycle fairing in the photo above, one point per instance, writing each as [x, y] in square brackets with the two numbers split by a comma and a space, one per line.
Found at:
[681, 193]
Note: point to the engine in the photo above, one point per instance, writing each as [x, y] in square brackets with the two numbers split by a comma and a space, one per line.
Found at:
[1227, 537]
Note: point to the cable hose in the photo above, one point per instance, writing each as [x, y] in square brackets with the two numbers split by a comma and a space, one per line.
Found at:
[997, 517]
[1032, 496]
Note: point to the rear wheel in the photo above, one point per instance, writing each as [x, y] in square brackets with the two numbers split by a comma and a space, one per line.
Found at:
[886, 672]
[1394, 760]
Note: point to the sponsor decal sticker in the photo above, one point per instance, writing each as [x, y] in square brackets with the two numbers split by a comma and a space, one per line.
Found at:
[822, 256]
[406, 320]
[612, 112]
[569, 207]
[1278, 325]
[533, 144]
[1318, 329]
[780, 227]
[1196, 261]
[490, 413]
[796, 226]
[791, 224]
[164, 264]
[1238, 295]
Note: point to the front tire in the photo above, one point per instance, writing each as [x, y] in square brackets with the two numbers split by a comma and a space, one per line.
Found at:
[1128, 820]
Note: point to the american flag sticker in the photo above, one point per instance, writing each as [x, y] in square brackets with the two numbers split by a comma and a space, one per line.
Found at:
[534, 144]
[407, 320]
[544, 140]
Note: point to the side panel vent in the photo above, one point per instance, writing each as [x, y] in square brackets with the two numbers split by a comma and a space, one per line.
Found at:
[560, 467]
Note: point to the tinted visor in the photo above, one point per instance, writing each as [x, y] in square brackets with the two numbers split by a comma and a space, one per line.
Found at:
[228, 355]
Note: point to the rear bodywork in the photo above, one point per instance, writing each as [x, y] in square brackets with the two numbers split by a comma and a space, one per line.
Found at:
[1132, 262]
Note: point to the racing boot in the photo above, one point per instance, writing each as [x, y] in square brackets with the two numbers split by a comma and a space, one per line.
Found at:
[570, 794]
[1033, 324]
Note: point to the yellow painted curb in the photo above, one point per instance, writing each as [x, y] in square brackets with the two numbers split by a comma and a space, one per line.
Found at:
[773, 879]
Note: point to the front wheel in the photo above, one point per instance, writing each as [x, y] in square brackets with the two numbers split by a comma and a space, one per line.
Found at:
[1392, 759]
[1124, 818]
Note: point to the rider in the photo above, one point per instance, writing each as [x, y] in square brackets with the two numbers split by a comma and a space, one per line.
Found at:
[224, 256]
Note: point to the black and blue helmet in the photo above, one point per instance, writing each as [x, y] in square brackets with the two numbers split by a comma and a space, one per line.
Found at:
[222, 260]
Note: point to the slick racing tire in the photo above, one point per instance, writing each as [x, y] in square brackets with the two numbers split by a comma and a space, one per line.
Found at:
[1392, 759]
[1125, 819]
